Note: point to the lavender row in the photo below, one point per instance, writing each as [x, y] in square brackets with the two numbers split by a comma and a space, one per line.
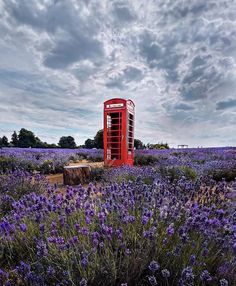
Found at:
[216, 162]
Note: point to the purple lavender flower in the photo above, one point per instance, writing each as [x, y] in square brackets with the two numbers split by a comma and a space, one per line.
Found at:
[205, 251]
[224, 282]
[83, 282]
[51, 271]
[77, 227]
[85, 231]
[170, 230]
[101, 244]
[192, 259]
[152, 280]
[154, 266]
[165, 273]
[84, 261]
[42, 227]
[23, 269]
[101, 216]
[23, 227]
[187, 276]
[145, 219]
[234, 247]
[3, 274]
[42, 249]
[127, 252]
[95, 242]
[205, 276]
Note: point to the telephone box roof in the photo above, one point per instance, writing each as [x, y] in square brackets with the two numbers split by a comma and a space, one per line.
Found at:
[117, 100]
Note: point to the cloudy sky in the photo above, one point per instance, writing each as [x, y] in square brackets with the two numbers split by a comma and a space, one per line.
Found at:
[176, 59]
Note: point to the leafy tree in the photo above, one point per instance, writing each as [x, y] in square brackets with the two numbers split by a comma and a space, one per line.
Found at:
[89, 144]
[98, 139]
[161, 146]
[67, 142]
[26, 138]
[52, 145]
[14, 139]
[138, 144]
[40, 144]
[4, 142]
[158, 146]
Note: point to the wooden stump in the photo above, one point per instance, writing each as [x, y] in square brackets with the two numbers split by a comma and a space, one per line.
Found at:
[75, 175]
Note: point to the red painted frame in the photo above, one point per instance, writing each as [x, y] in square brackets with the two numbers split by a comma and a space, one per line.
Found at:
[119, 155]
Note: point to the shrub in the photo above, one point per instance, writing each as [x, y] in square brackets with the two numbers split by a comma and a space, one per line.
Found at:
[7, 164]
[82, 155]
[175, 173]
[227, 174]
[51, 167]
[145, 160]
[47, 167]
[189, 173]
[125, 178]
[10, 164]
[74, 158]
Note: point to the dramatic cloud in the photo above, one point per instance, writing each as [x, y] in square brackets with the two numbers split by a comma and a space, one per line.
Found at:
[231, 103]
[61, 59]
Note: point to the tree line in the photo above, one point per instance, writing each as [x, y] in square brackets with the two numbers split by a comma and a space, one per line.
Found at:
[27, 139]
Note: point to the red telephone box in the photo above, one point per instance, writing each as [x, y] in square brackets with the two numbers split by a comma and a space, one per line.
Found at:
[118, 132]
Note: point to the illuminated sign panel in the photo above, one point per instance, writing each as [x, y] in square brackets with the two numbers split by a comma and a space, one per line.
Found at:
[115, 105]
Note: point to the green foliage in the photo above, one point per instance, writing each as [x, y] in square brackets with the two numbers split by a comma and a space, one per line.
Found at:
[14, 139]
[52, 145]
[175, 173]
[67, 142]
[189, 173]
[97, 142]
[227, 174]
[9, 164]
[82, 155]
[47, 167]
[4, 142]
[26, 138]
[145, 160]
[98, 139]
[158, 146]
[125, 178]
[138, 144]
[89, 144]
[40, 144]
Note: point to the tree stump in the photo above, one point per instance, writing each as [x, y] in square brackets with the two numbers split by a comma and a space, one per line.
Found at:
[75, 175]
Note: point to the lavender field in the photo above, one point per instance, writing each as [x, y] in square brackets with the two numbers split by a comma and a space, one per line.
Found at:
[169, 220]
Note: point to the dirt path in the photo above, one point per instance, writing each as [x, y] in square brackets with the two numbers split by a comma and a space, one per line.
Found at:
[85, 162]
